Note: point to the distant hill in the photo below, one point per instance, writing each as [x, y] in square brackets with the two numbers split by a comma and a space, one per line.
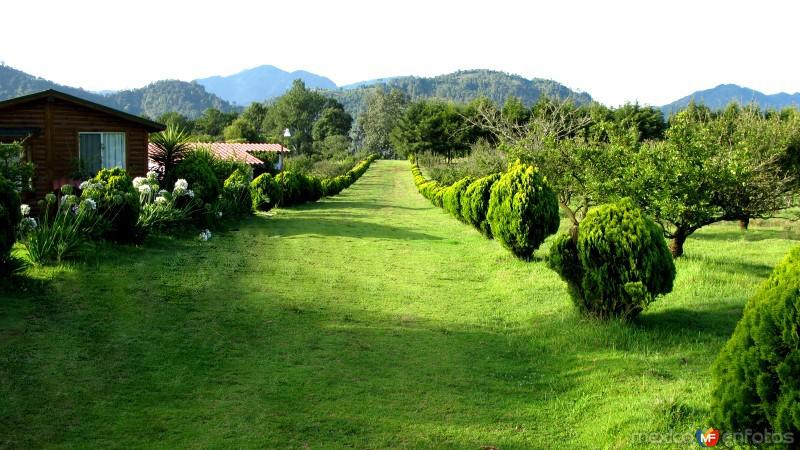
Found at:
[260, 84]
[189, 99]
[720, 96]
[462, 86]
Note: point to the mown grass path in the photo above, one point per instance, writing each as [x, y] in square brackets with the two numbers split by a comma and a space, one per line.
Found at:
[368, 320]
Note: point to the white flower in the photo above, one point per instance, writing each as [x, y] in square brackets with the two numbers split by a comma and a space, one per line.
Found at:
[139, 182]
[219, 213]
[205, 235]
[27, 224]
[89, 203]
[161, 200]
[152, 175]
[24, 209]
[190, 193]
[163, 192]
[85, 185]
[145, 189]
[182, 184]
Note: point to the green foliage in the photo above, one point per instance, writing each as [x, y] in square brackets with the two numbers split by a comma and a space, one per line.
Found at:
[475, 203]
[64, 226]
[13, 166]
[236, 191]
[213, 122]
[198, 169]
[453, 198]
[10, 217]
[619, 264]
[380, 115]
[483, 159]
[117, 203]
[431, 126]
[265, 192]
[756, 377]
[171, 145]
[523, 210]
[289, 184]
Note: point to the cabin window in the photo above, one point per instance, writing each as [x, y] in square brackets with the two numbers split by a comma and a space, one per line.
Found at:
[101, 151]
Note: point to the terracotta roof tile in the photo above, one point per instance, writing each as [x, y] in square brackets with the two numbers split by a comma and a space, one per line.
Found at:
[238, 152]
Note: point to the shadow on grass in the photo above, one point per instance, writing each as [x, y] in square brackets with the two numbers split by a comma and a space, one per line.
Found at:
[288, 225]
[751, 235]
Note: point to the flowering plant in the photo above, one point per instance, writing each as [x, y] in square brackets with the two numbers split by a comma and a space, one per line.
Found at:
[64, 226]
[160, 208]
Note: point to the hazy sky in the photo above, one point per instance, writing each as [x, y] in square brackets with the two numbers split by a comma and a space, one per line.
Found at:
[649, 51]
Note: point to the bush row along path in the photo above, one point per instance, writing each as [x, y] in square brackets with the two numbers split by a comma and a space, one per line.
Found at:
[367, 320]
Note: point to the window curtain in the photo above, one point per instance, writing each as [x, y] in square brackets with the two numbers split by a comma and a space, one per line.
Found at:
[113, 154]
[90, 145]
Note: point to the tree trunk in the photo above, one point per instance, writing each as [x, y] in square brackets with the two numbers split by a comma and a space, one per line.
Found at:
[744, 223]
[676, 243]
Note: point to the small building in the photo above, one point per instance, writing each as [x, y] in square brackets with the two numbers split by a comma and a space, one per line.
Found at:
[245, 152]
[68, 138]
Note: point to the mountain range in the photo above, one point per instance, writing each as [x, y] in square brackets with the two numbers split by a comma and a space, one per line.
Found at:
[719, 97]
[232, 92]
[260, 83]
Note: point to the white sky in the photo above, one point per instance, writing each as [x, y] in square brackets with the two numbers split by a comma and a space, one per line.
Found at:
[653, 52]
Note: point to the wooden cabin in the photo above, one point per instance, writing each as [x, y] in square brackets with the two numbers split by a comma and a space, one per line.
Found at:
[68, 138]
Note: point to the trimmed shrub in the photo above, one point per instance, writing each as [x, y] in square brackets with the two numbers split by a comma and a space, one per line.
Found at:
[117, 202]
[289, 184]
[265, 192]
[453, 197]
[756, 377]
[197, 168]
[523, 210]
[619, 264]
[10, 217]
[236, 191]
[475, 203]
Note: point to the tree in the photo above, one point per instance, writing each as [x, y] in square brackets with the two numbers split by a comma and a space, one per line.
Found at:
[383, 110]
[709, 168]
[177, 120]
[298, 109]
[213, 121]
[171, 146]
[13, 166]
[248, 126]
[430, 126]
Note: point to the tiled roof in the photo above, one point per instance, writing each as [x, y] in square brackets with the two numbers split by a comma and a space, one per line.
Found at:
[238, 152]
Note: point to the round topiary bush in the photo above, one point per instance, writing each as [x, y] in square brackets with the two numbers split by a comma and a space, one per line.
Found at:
[453, 197]
[756, 377]
[117, 202]
[10, 217]
[265, 192]
[197, 168]
[619, 264]
[475, 203]
[523, 210]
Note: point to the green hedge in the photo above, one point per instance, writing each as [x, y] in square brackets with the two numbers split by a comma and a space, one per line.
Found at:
[618, 264]
[475, 203]
[265, 192]
[295, 188]
[523, 210]
[453, 196]
[236, 192]
[756, 377]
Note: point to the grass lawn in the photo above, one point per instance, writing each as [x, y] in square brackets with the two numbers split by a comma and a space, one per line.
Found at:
[367, 320]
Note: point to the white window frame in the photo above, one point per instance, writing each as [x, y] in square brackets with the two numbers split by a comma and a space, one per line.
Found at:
[103, 135]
